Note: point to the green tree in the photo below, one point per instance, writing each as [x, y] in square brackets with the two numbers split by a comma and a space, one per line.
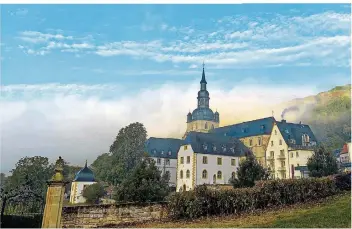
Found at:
[93, 193]
[34, 171]
[322, 163]
[144, 184]
[2, 179]
[125, 153]
[248, 172]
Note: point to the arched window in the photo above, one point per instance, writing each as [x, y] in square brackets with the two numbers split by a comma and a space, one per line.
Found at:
[219, 175]
[212, 126]
[204, 174]
[181, 174]
[187, 174]
[184, 187]
[206, 125]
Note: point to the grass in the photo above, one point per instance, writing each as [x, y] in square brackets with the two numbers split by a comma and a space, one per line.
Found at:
[333, 212]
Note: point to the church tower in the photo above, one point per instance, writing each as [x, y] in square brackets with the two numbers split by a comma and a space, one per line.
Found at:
[202, 119]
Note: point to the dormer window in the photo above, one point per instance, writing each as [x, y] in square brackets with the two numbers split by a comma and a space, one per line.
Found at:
[205, 147]
[286, 130]
[232, 149]
[169, 153]
[162, 152]
[224, 149]
[214, 148]
[262, 127]
[154, 151]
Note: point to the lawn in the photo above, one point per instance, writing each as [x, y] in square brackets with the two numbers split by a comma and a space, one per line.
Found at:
[333, 212]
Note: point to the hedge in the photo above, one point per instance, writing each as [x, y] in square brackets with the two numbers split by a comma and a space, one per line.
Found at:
[206, 202]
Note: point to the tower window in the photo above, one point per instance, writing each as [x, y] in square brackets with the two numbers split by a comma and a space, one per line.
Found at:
[188, 159]
[181, 174]
[205, 160]
[219, 161]
[187, 174]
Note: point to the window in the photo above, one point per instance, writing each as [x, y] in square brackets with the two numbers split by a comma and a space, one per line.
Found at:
[169, 153]
[283, 164]
[187, 174]
[271, 153]
[212, 126]
[232, 149]
[233, 162]
[185, 147]
[275, 132]
[219, 161]
[167, 162]
[167, 173]
[219, 175]
[297, 155]
[282, 152]
[182, 160]
[214, 148]
[162, 152]
[181, 174]
[280, 142]
[158, 161]
[206, 125]
[204, 174]
[205, 160]
[272, 143]
[291, 154]
[233, 174]
[188, 159]
[259, 141]
[250, 142]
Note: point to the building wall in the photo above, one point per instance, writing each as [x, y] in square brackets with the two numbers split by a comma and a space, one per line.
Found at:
[199, 126]
[298, 158]
[277, 163]
[257, 147]
[97, 216]
[212, 169]
[76, 191]
[184, 152]
[167, 165]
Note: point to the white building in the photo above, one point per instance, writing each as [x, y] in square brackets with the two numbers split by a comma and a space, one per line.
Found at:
[207, 158]
[290, 146]
[83, 178]
[164, 152]
[345, 157]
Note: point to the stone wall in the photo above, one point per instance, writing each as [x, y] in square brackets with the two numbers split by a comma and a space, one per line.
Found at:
[91, 216]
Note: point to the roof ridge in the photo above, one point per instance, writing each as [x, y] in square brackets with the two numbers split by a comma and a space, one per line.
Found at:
[248, 121]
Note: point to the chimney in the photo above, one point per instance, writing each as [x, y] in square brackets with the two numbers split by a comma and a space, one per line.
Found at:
[300, 122]
[283, 121]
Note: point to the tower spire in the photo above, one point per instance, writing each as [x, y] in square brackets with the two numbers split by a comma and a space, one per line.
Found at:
[203, 76]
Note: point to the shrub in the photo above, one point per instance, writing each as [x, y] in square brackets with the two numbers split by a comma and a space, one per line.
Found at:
[93, 193]
[205, 202]
[343, 181]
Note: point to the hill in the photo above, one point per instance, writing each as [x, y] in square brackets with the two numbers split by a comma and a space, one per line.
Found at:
[328, 113]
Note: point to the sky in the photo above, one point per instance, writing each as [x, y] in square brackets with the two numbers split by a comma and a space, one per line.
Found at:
[73, 75]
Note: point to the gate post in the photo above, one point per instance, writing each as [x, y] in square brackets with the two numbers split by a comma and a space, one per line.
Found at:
[54, 197]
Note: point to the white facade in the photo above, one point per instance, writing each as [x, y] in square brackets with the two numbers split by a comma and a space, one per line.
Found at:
[167, 165]
[282, 159]
[196, 169]
[77, 187]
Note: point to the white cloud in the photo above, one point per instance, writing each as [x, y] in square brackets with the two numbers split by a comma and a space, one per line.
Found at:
[318, 40]
[21, 12]
[80, 127]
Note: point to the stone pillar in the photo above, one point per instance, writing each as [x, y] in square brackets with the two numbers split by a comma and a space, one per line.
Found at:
[54, 198]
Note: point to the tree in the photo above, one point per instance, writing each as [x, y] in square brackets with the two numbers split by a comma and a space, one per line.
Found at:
[248, 172]
[144, 184]
[93, 193]
[34, 171]
[125, 153]
[322, 163]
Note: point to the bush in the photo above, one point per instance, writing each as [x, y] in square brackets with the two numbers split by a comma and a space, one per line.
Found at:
[93, 193]
[206, 202]
[343, 181]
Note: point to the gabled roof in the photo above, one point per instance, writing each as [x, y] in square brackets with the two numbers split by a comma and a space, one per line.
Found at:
[204, 143]
[246, 129]
[295, 131]
[163, 147]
